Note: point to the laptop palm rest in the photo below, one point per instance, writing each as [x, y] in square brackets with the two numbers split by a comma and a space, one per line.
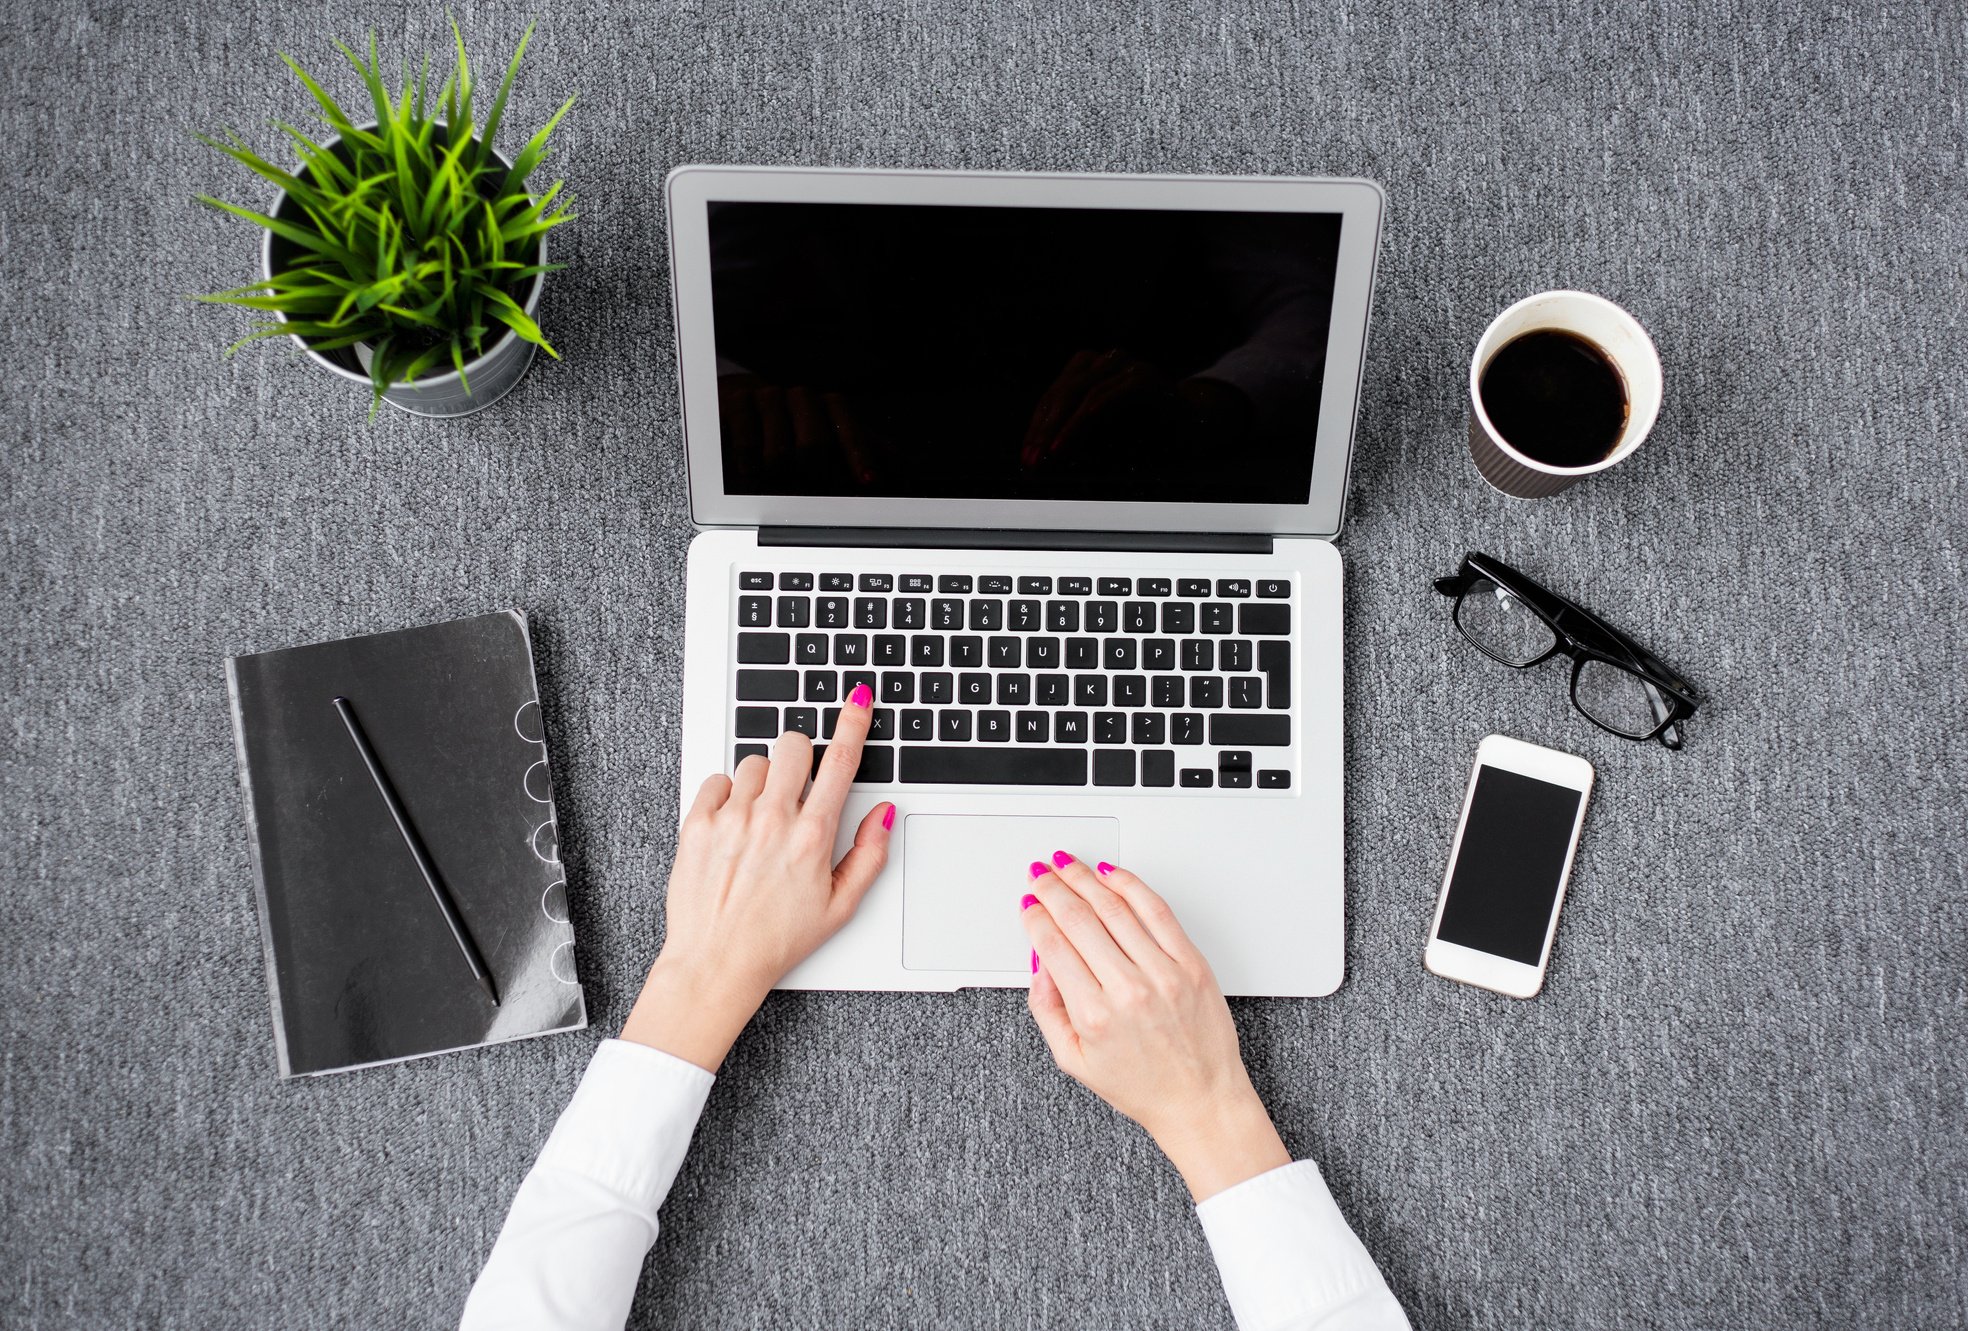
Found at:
[963, 876]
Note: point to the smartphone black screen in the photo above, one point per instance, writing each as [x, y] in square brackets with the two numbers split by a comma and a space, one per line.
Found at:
[1512, 860]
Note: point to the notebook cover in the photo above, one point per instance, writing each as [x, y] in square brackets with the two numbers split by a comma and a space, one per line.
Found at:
[361, 968]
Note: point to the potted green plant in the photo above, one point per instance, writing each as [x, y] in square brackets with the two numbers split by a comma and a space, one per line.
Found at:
[405, 251]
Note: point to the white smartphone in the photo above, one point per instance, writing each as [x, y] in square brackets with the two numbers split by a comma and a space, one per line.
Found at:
[1498, 912]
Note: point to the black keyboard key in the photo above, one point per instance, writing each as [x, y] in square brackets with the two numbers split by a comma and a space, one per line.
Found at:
[810, 649]
[882, 724]
[1082, 654]
[1042, 653]
[1198, 654]
[1274, 589]
[1062, 616]
[1206, 691]
[803, 719]
[795, 582]
[795, 612]
[891, 649]
[918, 724]
[1015, 690]
[755, 582]
[1216, 617]
[1246, 729]
[1236, 654]
[1197, 778]
[1192, 587]
[1233, 780]
[1071, 728]
[1138, 617]
[974, 765]
[836, 582]
[1273, 779]
[1118, 654]
[916, 582]
[1102, 616]
[1149, 728]
[1158, 767]
[851, 649]
[768, 685]
[974, 690]
[740, 752]
[911, 612]
[1186, 728]
[1130, 690]
[877, 582]
[1274, 659]
[986, 616]
[1031, 728]
[946, 615]
[1234, 587]
[871, 612]
[994, 727]
[1025, 616]
[1178, 617]
[926, 649]
[958, 583]
[1152, 587]
[756, 723]
[877, 764]
[829, 718]
[1113, 767]
[1035, 586]
[1110, 727]
[764, 648]
[1233, 760]
[1167, 690]
[822, 686]
[1090, 690]
[1158, 654]
[1005, 653]
[1246, 692]
[754, 612]
[937, 686]
[1264, 621]
[1076, 586]
[953, 725]
[1052, 691]
[966, 652]
[994, 584]
[849, 678]
[898, 686]
[1116, 586]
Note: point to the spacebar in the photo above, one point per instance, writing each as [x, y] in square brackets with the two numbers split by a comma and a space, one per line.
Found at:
[977, 765]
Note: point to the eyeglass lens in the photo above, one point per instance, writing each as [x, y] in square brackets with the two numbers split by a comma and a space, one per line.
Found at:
[1620, 700]
[1502, 625]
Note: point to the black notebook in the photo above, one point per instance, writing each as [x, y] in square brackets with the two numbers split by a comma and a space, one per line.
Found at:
[362, 965]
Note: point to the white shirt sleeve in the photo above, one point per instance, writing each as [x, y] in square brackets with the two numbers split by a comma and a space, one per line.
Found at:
[585, 1216]
[1290, 1262]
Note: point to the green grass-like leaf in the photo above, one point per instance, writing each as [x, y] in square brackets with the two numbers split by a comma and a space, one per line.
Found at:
[406, 235]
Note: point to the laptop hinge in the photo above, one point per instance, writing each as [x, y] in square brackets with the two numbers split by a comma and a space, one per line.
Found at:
[952, 538]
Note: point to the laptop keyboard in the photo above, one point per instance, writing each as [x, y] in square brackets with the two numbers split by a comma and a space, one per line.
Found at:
[993, 679]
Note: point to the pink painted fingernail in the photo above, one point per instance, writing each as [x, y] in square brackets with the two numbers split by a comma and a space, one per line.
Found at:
[888, 819]
[1039, 870]
[1061, 858]
[862, 695]
[1104, 867]
[1028, 902]
[1035, 963]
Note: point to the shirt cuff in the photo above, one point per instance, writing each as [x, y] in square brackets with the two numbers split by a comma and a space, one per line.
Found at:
[1286, 1254]
[630, 1121]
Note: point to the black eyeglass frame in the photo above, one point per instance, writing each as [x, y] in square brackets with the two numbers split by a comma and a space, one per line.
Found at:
[1578, 633]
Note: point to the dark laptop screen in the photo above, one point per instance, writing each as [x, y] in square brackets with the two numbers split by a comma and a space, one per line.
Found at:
[1020, 353]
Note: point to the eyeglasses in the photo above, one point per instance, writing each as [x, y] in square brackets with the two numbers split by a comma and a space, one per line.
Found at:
[1616, 683]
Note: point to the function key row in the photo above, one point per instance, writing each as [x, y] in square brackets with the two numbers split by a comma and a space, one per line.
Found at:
[963, 584]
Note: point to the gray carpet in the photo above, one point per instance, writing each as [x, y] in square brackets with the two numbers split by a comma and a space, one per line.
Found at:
[1740, 1101]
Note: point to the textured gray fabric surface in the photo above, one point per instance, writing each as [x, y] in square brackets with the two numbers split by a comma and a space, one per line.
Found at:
[1740, 1100]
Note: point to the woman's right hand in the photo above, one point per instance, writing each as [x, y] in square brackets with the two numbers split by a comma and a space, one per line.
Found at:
[1131, 1011]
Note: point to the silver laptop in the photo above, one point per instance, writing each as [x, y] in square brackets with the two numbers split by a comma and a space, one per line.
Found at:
[1055, 464]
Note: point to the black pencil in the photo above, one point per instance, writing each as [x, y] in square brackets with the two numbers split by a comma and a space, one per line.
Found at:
[417, 851]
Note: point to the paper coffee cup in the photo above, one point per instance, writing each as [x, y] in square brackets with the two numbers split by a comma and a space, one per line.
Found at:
[1599, 322]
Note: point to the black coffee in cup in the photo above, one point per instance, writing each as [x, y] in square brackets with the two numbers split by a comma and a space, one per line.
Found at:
[1556, 398]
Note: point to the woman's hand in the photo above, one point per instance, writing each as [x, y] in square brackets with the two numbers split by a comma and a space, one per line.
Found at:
[1131, 1011]
[755, 888]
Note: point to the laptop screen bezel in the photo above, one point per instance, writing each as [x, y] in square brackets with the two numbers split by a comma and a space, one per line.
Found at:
[690, 188]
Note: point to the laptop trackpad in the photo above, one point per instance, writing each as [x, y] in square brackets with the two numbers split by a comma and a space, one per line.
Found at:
[963, 876]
